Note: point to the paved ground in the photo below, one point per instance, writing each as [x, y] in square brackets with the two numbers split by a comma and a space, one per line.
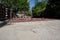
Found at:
[41, 30]
[2, 23]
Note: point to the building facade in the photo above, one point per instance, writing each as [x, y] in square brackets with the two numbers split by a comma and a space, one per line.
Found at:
[3, 14]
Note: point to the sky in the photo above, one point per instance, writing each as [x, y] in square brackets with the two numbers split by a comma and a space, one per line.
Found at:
[32, 3]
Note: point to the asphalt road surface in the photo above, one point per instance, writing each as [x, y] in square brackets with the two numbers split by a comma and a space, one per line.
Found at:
[39, 30]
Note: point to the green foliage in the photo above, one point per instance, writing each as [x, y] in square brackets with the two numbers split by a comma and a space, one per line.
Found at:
[17, 4]
[38, 9]
[29, 14]
[53, 9]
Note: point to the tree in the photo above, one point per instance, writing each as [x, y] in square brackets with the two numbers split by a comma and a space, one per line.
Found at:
[52, 9]
[17, 4]
[38, 9]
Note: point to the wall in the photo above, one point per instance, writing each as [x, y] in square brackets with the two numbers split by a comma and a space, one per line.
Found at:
[29, 19]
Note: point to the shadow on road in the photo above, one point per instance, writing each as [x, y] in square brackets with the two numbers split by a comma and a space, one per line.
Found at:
[3, 23]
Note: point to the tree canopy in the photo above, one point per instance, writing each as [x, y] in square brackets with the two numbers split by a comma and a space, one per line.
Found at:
[52, 9]
[38, 9]
[17, 4]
